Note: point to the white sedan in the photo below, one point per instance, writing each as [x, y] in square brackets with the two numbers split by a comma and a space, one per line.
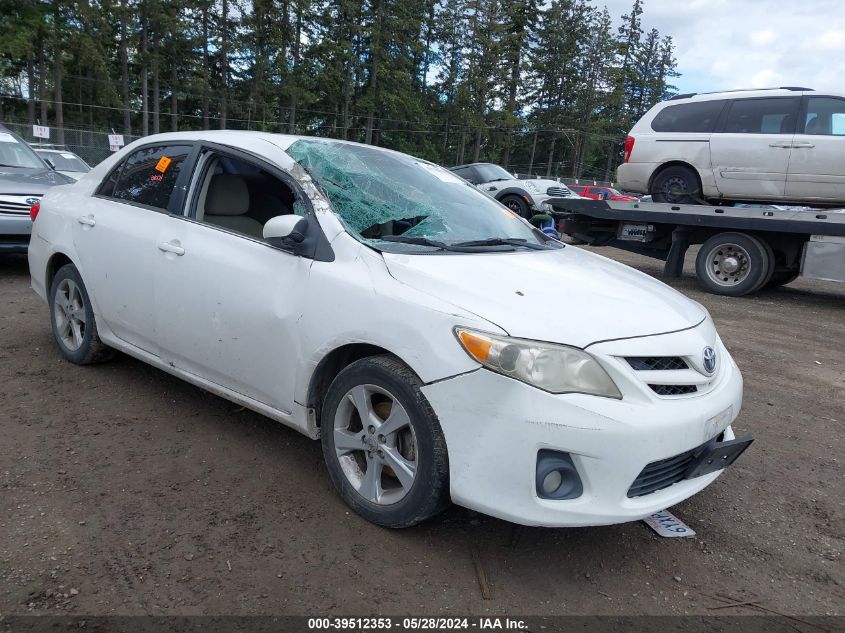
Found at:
[438, 345]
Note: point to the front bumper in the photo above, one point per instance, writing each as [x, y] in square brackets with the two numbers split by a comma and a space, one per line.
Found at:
[495, 426]
[15, 230]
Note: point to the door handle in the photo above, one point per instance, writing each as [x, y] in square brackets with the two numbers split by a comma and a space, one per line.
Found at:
[803, 144]
[782, 145]
[87, 220]
[171, 247]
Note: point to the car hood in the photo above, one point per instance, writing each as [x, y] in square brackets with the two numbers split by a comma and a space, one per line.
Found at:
[34, 181]
[567, 296]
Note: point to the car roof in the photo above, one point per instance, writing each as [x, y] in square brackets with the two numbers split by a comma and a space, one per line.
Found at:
[785, 91]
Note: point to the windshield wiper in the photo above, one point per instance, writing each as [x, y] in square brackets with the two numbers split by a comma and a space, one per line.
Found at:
[503, 241]
[419, 241]
[459, 247]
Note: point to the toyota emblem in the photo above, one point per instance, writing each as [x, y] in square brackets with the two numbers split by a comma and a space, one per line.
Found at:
[709, 360]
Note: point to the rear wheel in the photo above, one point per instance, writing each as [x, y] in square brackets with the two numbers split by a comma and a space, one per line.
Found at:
[676, 185]
[72, 318]
[517, 205]
[382, 443]
[732, 264]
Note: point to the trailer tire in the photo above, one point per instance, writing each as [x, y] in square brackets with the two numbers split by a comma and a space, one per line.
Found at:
[732, 264]
[770, 259]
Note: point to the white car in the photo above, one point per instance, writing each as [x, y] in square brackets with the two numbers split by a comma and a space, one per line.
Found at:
[439, 346]
[64, 162]
[777, 145]
[525, 196]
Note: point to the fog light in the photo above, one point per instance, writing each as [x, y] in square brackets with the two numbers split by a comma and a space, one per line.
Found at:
[557, 477]
[552, 481]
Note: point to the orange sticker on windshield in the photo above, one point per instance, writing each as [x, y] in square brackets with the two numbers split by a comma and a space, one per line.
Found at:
[162, 164]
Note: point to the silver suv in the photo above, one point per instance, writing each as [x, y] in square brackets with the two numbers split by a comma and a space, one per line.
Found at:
[774, 145]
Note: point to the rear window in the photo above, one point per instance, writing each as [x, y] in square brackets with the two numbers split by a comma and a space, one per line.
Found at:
[148, 176]
[762, 116]
[700, 116]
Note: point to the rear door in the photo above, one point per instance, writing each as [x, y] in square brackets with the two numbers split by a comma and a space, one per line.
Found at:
[750, 153]
[817, 162]
[115, 237]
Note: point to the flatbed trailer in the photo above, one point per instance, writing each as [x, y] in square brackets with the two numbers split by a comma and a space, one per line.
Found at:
[743, 248]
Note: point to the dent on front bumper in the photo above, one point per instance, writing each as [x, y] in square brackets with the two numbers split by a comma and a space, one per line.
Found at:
[15, 230]
[495, 426]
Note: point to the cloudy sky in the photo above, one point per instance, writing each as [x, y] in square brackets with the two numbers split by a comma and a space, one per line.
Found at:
[724, 44]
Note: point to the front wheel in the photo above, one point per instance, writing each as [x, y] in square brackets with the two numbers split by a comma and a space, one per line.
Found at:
[382, 443]
[517, 205]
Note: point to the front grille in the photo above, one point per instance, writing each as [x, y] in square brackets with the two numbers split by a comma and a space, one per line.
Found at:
[558, 191]
[663, 473]
[15, 203]
[673, 390]
[657, 363]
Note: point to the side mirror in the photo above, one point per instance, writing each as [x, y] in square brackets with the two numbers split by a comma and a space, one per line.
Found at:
[285, 228]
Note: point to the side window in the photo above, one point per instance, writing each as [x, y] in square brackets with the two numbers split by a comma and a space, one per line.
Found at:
[762, 116]
[148, 176]
[825, 116]
[700, 116]
[240, 196]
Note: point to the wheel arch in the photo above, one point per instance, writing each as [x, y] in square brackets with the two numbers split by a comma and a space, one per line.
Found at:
[56, 261]
[332, 364]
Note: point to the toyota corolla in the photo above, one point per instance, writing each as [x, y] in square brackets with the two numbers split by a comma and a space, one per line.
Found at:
[439, 346]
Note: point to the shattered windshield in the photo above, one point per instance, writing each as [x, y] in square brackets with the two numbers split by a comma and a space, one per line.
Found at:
[396, 202]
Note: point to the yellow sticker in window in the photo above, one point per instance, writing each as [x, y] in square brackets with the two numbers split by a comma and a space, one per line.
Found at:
[163, 163]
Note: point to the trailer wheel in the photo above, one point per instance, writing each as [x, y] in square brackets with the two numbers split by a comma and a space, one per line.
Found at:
[770, 260]
[732, 264]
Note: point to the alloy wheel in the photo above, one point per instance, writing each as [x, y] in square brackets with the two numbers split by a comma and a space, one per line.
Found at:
[375, 444]
[69, 312]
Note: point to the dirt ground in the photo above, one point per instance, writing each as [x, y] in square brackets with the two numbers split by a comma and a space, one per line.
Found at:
[126, 491]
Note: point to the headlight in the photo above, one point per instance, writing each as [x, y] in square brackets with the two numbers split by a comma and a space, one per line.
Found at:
[552, 368]
[530, 186]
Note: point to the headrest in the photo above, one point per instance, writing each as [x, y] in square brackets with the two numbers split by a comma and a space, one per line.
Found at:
[227, 195]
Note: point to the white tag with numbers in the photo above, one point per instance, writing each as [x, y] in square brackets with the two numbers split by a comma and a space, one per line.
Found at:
[667, 524]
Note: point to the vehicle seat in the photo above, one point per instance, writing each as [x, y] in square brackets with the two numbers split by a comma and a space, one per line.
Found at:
[227, 204]
[814, 126]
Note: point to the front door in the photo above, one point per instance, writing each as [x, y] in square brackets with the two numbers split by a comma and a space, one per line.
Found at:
[228, 305]
[750, 155]
[817, 162]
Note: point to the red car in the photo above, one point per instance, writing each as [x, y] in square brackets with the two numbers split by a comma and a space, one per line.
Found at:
[601, 193]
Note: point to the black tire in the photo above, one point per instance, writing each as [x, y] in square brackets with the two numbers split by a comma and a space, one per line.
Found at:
[770, 261]
[90, 349]
[428, 494]
[518, 205]
[676, 185]
[753, 260]
[781, 278]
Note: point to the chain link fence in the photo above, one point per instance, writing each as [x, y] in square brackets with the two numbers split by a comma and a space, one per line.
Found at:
[90, 145]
